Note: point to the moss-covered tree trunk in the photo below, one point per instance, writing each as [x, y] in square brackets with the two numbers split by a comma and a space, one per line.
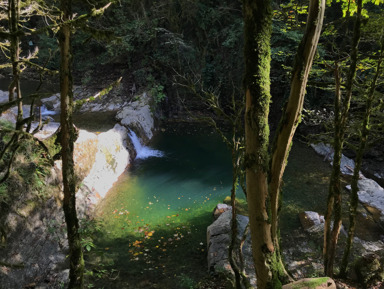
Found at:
[257, 29]
[364, 134]
[264, 176]
[341, 116]
[67, 139]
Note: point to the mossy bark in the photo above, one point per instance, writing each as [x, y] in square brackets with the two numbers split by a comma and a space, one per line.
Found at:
[257, 29]
[264, 176]
[67, 143]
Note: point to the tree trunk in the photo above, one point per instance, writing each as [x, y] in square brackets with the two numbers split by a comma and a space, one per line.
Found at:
[257, 29]
[264, 180]
[341, 116]
[67, 140]
[292, 113]
[365, 129]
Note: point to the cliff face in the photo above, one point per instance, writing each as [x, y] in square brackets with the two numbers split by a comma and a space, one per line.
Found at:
[33, 245]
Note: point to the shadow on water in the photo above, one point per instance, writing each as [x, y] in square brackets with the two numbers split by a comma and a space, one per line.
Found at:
[160, 256]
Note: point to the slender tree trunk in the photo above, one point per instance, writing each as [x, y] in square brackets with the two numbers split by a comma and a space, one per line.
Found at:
[67, 140]
[257, 29]
[365, 129]
[263, 178]
[292, 113]
[341, 116]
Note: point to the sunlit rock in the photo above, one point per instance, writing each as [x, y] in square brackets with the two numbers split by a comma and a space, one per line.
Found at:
[111, 160]
[220, 209]
[312, 221]
[347, 165]
[371, 194]
[137, 115]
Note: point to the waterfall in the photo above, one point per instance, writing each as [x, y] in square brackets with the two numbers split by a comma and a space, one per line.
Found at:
[143, 151]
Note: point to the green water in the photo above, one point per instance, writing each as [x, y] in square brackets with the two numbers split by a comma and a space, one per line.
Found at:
[193, 175]
[154, 219]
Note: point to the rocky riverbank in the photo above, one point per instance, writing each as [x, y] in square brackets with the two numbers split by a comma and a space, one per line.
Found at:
[302, 248]
[34, 248]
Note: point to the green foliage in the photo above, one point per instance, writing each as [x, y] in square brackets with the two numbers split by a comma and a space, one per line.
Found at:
[156, 89]
[48, 50]
[29, 170]
[186, 282]
[349, 8]
[88, 228]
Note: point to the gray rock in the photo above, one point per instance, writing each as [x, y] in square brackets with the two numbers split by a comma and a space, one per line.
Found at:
[52, 102]
[371, 193]
[369, 269]
[347, 165]
[4, 96]
[311, 221]
[137, 115]
[218, 240]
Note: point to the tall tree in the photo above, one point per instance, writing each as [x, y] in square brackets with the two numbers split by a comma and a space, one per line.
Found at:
[264, 171]
[342, 105]
[67, 140]
[364, 131]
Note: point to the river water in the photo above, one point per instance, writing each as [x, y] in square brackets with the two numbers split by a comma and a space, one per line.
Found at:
[154, 219]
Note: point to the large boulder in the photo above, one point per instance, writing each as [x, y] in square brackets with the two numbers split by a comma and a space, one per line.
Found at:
[369, 269]
[218, 240]
[137, 115]
[111, 160]
[371, 194]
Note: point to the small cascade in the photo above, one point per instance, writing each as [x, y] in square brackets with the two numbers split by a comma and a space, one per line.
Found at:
[45, 111]
[143, 151]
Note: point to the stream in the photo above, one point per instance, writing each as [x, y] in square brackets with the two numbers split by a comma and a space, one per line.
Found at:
[154, 220]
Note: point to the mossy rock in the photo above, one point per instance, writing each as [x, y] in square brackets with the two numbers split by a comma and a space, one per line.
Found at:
[312, 283]
[369, 269]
